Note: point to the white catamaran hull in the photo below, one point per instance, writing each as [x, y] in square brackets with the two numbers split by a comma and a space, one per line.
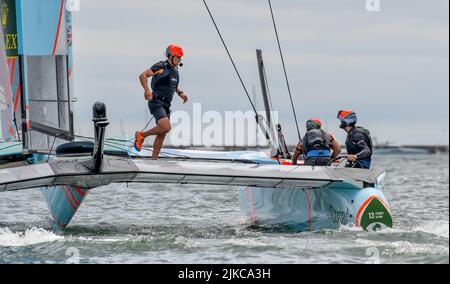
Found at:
[298, 198]
[318, 209]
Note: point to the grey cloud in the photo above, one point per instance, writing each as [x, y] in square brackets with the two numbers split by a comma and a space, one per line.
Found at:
[390, 66]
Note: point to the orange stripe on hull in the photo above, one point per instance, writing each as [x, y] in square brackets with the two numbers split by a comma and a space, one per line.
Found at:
[69, 189]
[68, 199]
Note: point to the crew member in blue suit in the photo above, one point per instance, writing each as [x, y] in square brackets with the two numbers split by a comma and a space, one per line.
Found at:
[359, 141]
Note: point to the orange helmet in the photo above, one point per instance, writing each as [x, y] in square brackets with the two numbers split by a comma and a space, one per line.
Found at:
[174, 50]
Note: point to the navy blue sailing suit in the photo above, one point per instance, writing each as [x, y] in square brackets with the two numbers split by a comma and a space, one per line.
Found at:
[359, 143]
[164, 85]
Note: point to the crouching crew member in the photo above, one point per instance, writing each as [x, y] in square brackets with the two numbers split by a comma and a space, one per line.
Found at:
[319, 148]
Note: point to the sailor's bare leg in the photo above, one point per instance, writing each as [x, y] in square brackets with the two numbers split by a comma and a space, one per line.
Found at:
[160, 131]
[163, 127]
[158, 145]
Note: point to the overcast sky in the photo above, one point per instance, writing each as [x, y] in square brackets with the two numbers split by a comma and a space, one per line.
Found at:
[392, 67]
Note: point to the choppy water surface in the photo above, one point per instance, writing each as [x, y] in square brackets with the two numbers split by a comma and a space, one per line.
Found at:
[203, 224]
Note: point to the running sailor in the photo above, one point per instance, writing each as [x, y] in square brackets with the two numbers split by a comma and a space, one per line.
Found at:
[164, 85]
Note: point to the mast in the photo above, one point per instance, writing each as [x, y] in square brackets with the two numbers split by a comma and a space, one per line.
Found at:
[255, 100]
[274, 134]
[264, 87]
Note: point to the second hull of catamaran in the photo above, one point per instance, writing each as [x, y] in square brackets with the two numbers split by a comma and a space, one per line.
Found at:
[314, 199]
[329, 207]
[296, 210]
[326, 206]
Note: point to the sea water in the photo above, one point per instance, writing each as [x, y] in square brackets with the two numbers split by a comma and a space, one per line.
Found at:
[203, 224]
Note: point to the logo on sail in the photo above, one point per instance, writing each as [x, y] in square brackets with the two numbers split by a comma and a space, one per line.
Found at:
[7, 16]
[5, 12]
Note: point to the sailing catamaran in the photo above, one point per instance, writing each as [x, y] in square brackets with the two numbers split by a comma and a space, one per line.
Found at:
[271, 192]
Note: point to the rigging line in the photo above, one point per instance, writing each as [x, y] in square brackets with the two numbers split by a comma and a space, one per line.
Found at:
[125, 147]
[119, 140]
[147, 124]
[285, 72]
[163, 153]
[90, 139]
[17, 128]
[115, 146]
[12, 146]
[51, 149]
[231, 58]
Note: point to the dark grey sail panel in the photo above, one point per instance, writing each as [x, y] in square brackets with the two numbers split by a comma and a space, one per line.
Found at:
[49, 98]
[63, 93]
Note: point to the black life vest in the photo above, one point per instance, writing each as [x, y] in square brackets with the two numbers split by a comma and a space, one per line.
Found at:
[165, 82]
[316, 139]
[353, 148]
